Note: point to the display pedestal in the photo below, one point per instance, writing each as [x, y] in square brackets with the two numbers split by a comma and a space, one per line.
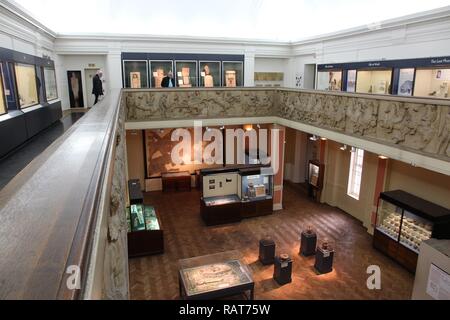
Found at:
[266, 251]
[135, 192]
[308, 243]
[324, 260]
[282, 272]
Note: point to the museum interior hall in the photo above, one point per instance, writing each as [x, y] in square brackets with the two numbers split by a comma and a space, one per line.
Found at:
[224, 150]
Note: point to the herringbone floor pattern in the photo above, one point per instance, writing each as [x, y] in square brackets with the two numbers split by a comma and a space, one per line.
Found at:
[155, 277]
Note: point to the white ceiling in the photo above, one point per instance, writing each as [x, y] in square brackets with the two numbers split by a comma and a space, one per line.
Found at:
[283, 20]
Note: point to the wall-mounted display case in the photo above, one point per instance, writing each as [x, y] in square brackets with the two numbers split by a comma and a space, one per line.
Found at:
[26, 85]
[51, 91]
[210, 74]
[433, 83]
[186, 74]
[404, 221]
[351, 81]
[145, 233]
[232, 74]
[406, 82]
[158, 70]
[316, 172]
[2, 94]
[135, 74]
[329, 80]
[374, 81]
[232, 193]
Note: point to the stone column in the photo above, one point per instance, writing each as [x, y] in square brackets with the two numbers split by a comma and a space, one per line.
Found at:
[249, 68]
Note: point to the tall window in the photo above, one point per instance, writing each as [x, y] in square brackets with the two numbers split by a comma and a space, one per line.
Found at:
[355, 173]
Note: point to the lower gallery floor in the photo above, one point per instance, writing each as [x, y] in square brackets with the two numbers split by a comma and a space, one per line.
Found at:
[185, 235]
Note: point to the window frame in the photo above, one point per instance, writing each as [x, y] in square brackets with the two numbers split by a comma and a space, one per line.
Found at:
[355, 170]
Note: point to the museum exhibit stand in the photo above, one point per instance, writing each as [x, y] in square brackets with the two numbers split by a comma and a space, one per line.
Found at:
[330, 80]
[403, 222]
[266, 251]
[135, 192]
[145, 232]
[324, 257]
[230, 194]
[176, 181]
[282, 271]
[216, 276]
[308, 242]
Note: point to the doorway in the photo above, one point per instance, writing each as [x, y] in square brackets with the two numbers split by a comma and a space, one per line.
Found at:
[89, 75]
[310, 76]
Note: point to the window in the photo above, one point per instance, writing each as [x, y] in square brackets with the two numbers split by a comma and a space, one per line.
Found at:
[2, 95]
[26, 85]
[355, 173]
[50, 84]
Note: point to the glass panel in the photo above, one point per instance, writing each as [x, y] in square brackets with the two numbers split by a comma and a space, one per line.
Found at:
[151, 221]
[388, 219]
[2, 94]
[314, 171]
[209, 74]
[329, 80]
[233, 74]
[414, 230]
[159, 70]
[26, 85]
[351, 80]
[374, 81]
[432, 83]
[135, 73]
[256, 187]
[186, 74]
[50, 84]
[137, 217]
[405, 82]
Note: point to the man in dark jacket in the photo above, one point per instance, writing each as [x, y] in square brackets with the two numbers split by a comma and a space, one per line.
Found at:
[168, 81]
[97, 86]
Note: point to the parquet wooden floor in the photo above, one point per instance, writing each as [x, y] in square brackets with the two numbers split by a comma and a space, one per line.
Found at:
[155, 277]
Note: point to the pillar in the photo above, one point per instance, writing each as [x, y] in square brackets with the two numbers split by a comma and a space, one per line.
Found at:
[278, 177]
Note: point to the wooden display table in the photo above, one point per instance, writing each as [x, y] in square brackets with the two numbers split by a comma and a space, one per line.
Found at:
[176, 181]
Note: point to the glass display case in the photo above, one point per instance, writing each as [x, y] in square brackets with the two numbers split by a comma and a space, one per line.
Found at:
[158, 70]
[26, 85]
[135, 74]
[432, 83]
[351, 81]
[51, 91]
[404, 221]
[232, 74]
[215, 276]
[255, 187]
[389, 218]
[2, 95]
[329, 80]
[209, 74]
[374, 81]
[406, 82]
[145, 232]
[186, 74]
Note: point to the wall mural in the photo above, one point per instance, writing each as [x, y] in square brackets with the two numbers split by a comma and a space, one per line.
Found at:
[415, 126]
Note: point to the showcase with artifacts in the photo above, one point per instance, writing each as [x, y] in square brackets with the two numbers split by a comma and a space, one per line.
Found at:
[158, 70]
[316, 172]
[404, 221]
[51, 91]
[210, 74]
[230, 194]
[2, 95]
[186, 73]
[216, 276]
[135, 74]
[145, 233]
[26, 85]
[233, 74]
[432, 83]
[329, 80]
[374, 81]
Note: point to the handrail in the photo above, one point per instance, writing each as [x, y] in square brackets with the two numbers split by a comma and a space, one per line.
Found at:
[40, 238]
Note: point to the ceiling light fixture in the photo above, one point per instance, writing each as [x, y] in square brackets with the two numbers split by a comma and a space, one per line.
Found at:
[344, 147]
[314, 138]
[383, 157]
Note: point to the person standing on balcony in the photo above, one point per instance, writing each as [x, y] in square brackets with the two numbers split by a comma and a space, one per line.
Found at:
[97, 86]
[168, 81]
